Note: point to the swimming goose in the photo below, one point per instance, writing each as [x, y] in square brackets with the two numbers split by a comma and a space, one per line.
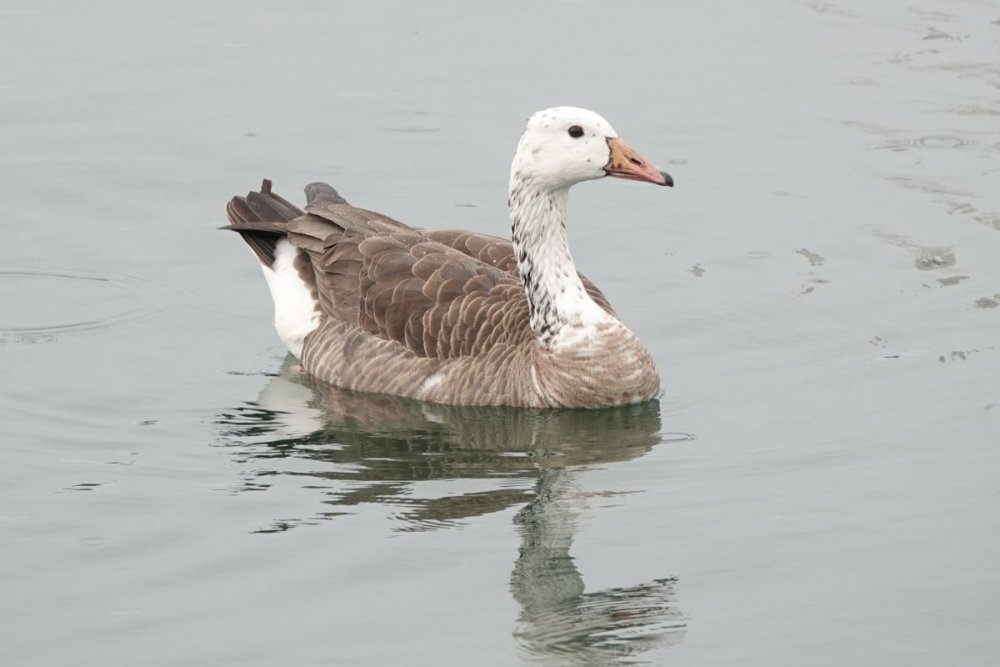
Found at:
[370, 304]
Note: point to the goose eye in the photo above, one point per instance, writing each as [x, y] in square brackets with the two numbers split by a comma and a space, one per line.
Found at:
[576, 131]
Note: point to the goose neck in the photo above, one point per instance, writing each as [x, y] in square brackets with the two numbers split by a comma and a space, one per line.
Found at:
[556, 296]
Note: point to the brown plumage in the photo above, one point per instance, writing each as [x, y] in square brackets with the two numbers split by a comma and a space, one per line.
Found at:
[436, 315]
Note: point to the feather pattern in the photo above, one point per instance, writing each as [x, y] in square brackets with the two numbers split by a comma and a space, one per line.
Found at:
[451, 316]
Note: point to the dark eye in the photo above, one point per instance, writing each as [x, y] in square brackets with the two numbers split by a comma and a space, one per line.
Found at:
[575, 131]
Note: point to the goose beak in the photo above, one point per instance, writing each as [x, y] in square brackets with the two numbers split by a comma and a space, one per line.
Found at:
[624, 162]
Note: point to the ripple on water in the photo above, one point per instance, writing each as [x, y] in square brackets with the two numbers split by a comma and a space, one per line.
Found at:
[988, 302]
[935, 258]
[41, 305]
[932, 141]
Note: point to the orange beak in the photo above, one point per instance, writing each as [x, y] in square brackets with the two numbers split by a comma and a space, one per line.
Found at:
[626, 163]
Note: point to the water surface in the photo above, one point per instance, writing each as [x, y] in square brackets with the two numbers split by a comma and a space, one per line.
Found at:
[816, 486]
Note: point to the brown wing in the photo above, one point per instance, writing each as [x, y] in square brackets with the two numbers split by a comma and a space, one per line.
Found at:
[499, 253]
[441, 294]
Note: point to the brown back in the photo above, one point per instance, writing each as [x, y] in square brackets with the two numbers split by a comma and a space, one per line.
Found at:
[440, 294]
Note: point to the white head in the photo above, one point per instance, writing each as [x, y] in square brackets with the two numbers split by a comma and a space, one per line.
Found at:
[562, 146]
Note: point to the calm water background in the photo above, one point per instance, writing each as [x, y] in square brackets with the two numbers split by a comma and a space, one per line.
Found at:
[819, 485]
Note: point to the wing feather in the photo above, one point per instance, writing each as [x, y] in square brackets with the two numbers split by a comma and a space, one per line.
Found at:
[439, 294]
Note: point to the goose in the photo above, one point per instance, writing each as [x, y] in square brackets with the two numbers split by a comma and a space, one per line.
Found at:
[367, 303]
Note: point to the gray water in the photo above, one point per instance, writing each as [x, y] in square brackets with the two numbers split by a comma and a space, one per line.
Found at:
[818, 485]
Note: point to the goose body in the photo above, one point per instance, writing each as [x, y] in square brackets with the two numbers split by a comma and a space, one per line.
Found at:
[370, 304]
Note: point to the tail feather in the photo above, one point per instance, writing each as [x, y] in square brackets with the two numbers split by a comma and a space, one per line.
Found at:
[261, 218]
[322, 193]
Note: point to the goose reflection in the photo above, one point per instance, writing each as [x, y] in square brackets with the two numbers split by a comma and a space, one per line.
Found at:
[364, 448]
[560, 623]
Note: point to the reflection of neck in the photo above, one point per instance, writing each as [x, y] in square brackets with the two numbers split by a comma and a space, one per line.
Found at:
[544, 576]
[559, 622]
[556, 296]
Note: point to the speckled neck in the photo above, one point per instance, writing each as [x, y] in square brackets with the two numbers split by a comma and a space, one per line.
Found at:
[556, 296]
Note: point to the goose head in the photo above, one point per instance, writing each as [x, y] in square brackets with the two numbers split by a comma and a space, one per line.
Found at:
[563, 146]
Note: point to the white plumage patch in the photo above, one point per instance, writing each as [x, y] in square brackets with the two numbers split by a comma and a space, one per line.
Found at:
[295, 311]
[431, 382]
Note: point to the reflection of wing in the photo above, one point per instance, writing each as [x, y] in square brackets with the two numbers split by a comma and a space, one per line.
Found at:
[378, 445]
[559, 622]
